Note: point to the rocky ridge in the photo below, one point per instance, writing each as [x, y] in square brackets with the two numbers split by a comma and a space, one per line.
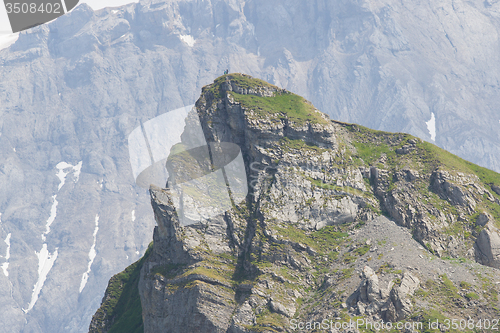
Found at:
[317, 192]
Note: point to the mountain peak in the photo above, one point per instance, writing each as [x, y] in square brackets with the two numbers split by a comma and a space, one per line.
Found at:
[264, 99]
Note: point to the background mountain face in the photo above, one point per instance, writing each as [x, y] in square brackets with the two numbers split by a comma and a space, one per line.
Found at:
[71, 91]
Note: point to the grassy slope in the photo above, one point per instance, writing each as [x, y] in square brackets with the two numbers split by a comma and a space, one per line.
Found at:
[285, 105]
[122, 306]
[371, 145]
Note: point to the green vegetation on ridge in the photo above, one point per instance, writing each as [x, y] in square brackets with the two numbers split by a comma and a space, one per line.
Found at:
[284, 105]
[371, 144]
[121, 307]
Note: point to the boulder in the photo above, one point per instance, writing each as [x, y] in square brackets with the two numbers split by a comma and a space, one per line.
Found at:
[496, 189]
[277, 307]
[483, 219]
[488, 246]
[441, 185]
[399, 298]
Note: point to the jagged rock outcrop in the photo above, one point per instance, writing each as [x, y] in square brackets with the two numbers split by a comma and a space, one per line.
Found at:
[447, 187]
[165, 301]
[270, 143]
[400, 306]
[495, 189]
[392, 304]
[435, 206]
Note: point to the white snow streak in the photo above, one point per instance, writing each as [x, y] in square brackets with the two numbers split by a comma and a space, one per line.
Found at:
[92, 255]
[52, 217]
[45, 262]
[188, 39]
[133, 215]
[45, 258]
[431, 126]
[5, 265]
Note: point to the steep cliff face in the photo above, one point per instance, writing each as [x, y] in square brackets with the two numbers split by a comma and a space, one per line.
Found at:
[318, 188]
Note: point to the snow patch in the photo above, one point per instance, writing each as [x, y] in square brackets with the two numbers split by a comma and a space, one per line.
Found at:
[7, 40]
[45, 258]
[137, 252]
[188, 39]
[45, 262]
[52, 217]
[92, 255]
[133, 215]
[5, 265]
[431, 126]
[62, 166]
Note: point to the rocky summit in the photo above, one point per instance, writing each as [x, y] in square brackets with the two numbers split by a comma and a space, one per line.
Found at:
[342, 225]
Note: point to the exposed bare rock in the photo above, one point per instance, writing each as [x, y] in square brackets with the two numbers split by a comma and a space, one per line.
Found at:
[392, 304]
[400, 305]
[281, 309]
[442, 185]
[496, 189]
[483, 219]
[488, 246]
